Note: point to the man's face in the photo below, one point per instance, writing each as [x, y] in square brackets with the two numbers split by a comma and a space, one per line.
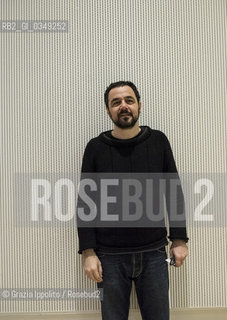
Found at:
[124, 108]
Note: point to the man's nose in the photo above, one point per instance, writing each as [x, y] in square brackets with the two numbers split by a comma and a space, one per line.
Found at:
[123, 104]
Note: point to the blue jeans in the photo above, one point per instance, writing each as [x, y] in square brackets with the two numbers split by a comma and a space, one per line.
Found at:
[149, 271]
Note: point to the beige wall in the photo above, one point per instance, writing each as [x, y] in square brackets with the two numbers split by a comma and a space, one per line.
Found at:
[52, 104]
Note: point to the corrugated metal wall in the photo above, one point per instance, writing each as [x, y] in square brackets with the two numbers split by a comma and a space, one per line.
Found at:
[52, 103]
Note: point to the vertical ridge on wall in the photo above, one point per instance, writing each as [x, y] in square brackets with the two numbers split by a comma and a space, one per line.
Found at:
[52, 104]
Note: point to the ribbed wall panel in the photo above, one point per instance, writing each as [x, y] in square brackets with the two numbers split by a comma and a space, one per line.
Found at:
[52, 88]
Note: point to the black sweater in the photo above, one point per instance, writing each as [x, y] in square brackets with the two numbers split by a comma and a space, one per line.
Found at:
[149, 151]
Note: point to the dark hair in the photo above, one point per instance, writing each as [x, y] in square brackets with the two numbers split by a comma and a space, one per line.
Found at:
[120, 84]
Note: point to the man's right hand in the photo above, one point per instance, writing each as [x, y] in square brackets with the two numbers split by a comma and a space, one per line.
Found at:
[92, 265]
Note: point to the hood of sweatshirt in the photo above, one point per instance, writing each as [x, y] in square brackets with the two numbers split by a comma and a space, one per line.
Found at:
[107, 138]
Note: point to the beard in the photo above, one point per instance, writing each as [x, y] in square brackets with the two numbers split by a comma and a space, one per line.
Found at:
[125, 120]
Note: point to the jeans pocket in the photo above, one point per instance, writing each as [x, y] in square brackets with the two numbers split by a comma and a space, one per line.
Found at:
[161, 250]
[100, 254]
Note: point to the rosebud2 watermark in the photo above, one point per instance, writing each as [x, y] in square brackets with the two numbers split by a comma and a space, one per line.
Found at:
[120, 199]
[49, 294]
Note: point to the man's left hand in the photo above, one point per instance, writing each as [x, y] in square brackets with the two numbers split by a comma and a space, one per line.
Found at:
[179, 250]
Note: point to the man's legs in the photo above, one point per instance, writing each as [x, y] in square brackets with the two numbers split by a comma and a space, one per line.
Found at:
[116, 286]
[152, 286]
[149, 271]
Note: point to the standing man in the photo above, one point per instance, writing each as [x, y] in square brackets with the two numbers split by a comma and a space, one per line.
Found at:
[113, 257]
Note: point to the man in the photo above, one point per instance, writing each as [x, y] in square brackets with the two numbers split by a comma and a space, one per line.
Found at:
[113, 257]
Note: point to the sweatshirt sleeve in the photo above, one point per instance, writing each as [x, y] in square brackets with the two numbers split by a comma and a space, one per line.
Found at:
[177, 229]
[87, 235]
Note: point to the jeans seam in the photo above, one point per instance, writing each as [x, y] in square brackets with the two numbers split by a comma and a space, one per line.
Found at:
[140, 270]
[133, 264]
[141, 259]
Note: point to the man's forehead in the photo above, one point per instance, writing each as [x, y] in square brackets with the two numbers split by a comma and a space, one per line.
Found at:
[120, 92]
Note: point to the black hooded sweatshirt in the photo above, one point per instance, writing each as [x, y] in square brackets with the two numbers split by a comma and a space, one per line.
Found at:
[148, 152]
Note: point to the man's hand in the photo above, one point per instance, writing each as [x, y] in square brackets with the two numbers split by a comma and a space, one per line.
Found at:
[92, 265]
[179, 250]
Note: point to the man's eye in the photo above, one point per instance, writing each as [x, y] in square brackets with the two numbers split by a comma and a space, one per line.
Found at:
[129, 101]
